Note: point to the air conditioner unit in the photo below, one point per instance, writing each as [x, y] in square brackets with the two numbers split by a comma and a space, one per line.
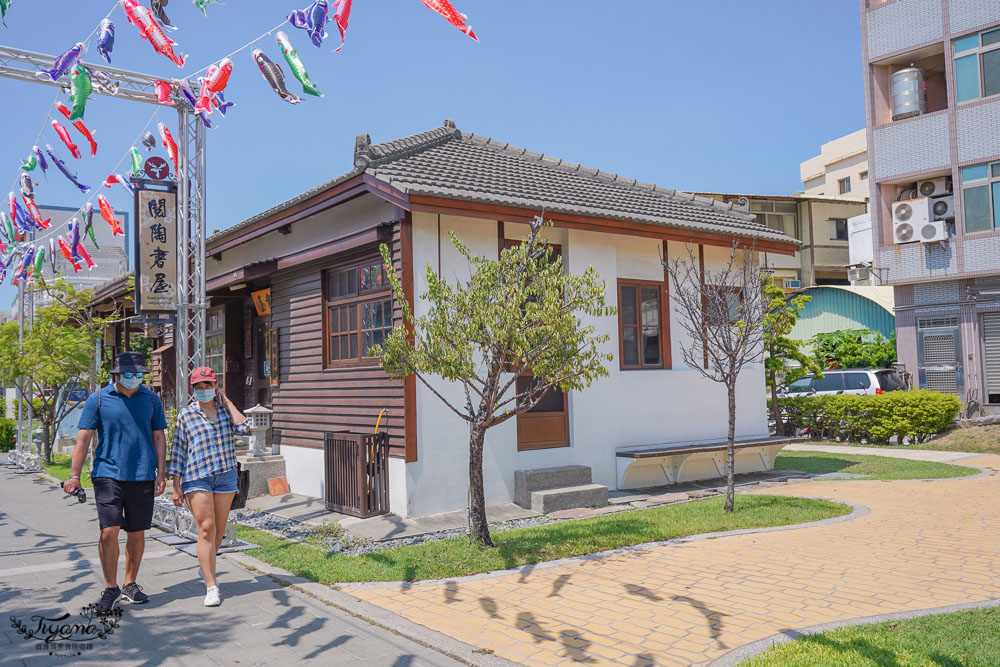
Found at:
[857, 273]
[935, 187]
[792, 283]
[908, 217]
[933, 230]
[943, 208]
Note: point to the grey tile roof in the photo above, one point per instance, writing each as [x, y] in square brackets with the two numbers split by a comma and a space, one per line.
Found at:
[445, 162]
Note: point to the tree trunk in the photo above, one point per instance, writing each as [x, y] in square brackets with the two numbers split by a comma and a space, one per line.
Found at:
[779, 426]
[47, 442]
[479, 529]
[731, 451]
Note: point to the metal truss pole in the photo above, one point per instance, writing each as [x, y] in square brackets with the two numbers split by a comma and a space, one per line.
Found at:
[20, 380]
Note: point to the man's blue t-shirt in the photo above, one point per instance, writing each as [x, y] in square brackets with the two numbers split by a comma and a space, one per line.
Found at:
[125, 428]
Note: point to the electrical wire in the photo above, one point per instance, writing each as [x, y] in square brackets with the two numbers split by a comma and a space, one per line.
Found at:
[242, 48]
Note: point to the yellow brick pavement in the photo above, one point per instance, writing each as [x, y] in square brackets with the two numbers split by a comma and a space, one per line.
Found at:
[923, 545]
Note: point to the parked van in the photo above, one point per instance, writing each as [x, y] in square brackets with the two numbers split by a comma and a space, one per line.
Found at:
[860, 381]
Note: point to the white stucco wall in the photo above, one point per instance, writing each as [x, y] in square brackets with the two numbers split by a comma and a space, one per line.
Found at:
[346, 219]
[627, 408]
[304, 470]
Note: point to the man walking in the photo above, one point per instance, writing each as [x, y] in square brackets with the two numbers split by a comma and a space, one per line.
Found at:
[128, 470]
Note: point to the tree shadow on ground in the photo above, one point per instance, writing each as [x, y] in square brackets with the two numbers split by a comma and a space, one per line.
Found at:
[713, 618]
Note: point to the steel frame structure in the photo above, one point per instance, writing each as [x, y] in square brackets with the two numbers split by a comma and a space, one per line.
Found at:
[189, 328]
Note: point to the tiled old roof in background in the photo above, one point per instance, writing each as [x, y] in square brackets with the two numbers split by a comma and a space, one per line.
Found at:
[445, 162]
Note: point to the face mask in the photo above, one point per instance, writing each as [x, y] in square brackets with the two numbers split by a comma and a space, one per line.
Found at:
[204, 395]
[130, 383]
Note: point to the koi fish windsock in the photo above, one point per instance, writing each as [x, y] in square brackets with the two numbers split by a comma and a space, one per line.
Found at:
[64, 135]
[275, 77]
[81, 128]
[36, 215]
[64, 251]
[64, 63]
[295, 64]
[106, 39]
[313, 20]
[151, 31]
[108, 214]
[88, 224]
[171, 146]
[454, 17]
[340, 18]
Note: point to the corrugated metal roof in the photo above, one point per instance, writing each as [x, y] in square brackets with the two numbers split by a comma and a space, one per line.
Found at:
[836, 307]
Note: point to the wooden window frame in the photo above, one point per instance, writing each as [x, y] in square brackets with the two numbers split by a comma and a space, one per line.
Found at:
[664, 297]
[357, 299]
[212, 333]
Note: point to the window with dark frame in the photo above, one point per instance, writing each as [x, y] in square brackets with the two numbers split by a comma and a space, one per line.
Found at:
[844, 185]
[641, 324]
[215, 337]
[357, 311]
[838, 229]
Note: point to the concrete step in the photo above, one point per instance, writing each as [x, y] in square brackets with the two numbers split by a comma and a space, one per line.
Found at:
[528, 481]
[569, 497]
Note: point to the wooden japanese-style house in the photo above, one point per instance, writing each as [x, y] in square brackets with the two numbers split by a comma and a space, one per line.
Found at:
[298, 293]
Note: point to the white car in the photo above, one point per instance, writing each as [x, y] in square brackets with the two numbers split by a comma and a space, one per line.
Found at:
[860, 381]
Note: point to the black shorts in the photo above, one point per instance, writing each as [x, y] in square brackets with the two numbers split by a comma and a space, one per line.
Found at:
[125, 504]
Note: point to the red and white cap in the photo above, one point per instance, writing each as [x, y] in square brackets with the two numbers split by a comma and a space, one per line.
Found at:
[203, 374]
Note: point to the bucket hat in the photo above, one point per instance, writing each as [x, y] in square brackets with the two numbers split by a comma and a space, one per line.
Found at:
[130, 362]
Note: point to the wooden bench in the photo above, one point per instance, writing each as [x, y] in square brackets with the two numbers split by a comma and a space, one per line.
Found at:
[659, 465]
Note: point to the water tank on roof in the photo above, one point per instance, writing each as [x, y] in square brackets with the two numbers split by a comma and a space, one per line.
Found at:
[909, 93]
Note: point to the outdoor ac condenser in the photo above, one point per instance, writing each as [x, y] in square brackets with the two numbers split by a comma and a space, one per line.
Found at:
[908, 217]
[933, 230]
[857, 273]
[934, 187]
[943, 208]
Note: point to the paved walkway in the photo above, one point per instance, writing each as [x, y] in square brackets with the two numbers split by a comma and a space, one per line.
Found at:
[923, 545]
[915, 454]
[49, 567]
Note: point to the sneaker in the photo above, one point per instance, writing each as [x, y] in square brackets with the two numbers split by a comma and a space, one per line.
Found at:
[133, 593]
[212, 597]
[109, 598]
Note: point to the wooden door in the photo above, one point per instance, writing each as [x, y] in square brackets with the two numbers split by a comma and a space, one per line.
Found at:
[546, 425]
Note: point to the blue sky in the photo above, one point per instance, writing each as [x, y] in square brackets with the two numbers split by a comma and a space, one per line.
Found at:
[715, 96]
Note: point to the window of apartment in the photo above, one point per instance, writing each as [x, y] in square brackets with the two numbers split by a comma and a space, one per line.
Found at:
[977, 65]
[779, 216]
[844, 185]
[838, 229]
[358, 310]
[863, 176]
[981, 197]
[642, 327]
[215, 347]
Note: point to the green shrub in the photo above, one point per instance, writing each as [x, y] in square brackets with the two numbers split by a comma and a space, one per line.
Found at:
[8, 431]
[914, 415]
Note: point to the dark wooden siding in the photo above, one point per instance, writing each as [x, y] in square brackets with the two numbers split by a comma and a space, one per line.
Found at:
[310, 400]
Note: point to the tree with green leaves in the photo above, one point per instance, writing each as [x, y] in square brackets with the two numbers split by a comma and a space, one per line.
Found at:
[73, 306]
[55, 360]
[516, 316]
[782, 314]
[854, 348]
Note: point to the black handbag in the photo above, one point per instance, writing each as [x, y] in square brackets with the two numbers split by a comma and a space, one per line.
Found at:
[242, 488]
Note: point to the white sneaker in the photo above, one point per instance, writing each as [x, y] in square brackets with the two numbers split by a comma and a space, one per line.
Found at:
[212, 597]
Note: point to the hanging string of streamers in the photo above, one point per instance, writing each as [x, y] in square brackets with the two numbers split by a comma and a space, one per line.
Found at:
[19, 222]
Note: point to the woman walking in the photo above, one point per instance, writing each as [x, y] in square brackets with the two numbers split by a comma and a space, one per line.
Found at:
[203, 467]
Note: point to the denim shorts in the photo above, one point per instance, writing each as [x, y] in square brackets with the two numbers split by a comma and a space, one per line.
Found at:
[224, 482]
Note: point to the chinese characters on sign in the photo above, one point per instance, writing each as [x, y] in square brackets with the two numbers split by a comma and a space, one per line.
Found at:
[262, 301]
[156, 251]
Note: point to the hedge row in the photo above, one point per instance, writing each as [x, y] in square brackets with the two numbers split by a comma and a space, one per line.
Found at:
[913, 415]
[8, 432]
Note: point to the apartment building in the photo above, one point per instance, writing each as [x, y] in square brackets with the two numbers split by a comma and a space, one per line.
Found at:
[819, 223]
[840, 169]
[932, 97]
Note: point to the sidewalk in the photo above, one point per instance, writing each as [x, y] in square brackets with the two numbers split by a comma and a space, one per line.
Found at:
[49, 567]
[889, 452]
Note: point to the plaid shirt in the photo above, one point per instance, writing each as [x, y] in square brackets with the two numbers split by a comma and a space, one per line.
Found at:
[202, 448]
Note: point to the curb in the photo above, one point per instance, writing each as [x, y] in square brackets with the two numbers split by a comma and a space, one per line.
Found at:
[747, 651]
[377, 616]
[858, 511]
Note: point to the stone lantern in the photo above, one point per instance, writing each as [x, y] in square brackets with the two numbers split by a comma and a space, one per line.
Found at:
[259, 420]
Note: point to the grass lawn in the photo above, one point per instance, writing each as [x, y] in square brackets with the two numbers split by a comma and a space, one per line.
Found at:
[60, 469]
[875, 467]
[980, 439]
[536, 544]
[963, 638]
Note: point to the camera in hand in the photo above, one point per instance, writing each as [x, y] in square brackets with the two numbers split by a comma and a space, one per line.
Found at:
[81, 495]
